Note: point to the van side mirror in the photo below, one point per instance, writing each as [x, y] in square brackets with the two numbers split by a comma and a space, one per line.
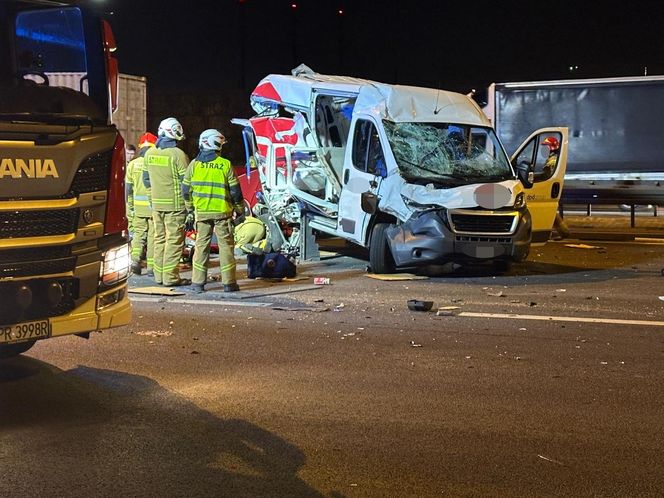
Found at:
[369, 202]
[525, 174]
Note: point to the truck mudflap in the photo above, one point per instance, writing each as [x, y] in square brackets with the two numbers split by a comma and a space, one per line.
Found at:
[426, 239]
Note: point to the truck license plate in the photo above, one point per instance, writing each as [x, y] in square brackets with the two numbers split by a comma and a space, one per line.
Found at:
[26, 331]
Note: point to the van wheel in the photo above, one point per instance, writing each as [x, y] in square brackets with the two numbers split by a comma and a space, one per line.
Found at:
[380, 255]
[11, 350]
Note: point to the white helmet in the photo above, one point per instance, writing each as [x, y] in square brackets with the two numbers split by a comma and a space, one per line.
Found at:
[211, 140]
[171, 128]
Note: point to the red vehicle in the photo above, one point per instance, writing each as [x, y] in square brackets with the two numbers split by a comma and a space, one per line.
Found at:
[64, 257]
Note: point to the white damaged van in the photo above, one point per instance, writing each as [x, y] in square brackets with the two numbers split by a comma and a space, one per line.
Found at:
[416, 175]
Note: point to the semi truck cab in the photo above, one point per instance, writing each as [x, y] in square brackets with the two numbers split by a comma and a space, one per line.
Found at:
[64, 257]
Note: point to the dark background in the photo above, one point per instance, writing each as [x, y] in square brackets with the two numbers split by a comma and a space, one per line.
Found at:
[196, 52]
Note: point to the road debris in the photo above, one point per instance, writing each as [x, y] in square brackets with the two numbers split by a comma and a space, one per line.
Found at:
[583, 246]
[155, 333]
[415, 345]
[417, 305]
[156, 290]
[496, 294]
[550, 459]
[322, 281]
[396, 276]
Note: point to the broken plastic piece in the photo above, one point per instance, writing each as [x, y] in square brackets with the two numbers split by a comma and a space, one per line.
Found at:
[583, 246]
[417, 305]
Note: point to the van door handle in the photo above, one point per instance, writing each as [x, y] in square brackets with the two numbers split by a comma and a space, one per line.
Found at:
[346, 176]
[555, 190]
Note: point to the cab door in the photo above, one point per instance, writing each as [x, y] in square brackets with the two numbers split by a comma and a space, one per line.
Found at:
[362, 173]
[541, 162]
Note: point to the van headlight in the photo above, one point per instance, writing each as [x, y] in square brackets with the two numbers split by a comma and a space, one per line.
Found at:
[520, 200]
[116, 265]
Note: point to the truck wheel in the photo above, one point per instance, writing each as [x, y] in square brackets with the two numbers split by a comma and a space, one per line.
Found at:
[11, 350]
[380, 256]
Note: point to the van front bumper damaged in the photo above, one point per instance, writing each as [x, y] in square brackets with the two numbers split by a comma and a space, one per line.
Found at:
[436, 237]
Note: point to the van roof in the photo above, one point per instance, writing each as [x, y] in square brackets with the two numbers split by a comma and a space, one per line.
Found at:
[396, 103]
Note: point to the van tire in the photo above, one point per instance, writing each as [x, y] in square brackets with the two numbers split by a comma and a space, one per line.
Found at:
[380, 255]
[11, 350]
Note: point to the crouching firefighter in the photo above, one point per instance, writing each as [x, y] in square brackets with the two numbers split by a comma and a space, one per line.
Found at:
[211, 187]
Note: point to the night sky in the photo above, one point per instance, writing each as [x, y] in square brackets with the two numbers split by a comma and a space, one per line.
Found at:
[211, 45]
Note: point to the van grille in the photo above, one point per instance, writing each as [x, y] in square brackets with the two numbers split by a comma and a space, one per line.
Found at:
[16, 224]
[474, 223]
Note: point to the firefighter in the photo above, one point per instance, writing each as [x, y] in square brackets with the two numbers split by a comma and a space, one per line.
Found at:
[165, 166]
[548, 170]
[250, 236]
[138, 207]
[212, 189]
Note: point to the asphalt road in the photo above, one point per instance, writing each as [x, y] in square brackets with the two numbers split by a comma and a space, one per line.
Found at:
[345, 392]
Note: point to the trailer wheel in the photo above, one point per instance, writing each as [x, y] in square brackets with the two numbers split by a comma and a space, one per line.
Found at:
[380, 255]
[11, 350]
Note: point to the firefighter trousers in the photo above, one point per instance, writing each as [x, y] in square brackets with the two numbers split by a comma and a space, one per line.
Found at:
[143, 236]
[224, 231]
[168, 245]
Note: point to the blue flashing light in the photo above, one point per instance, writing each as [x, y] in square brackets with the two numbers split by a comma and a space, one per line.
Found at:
[50, 38]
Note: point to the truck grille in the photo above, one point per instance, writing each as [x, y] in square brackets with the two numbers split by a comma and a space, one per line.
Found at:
[15, 224]
[473, 223]
[40, 307]
[36, 261]
[92, 174]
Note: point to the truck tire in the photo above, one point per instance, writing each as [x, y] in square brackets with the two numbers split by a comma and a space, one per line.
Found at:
[11, 350]
[380, 255]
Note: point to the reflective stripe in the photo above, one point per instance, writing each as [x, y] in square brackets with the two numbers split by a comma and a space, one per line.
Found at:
[209, 195]
[200, 267]
[209, 184]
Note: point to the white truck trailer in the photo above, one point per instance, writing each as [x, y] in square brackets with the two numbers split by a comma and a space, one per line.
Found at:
[616, 151]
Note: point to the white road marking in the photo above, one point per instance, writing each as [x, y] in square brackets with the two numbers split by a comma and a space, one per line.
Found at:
[227, 302]
[514, 316]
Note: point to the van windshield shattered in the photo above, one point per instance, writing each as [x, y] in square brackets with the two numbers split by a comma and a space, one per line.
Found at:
[447, 154]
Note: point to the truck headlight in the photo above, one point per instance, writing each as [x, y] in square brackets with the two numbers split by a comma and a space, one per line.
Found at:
[116, 265]
[520, 200]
